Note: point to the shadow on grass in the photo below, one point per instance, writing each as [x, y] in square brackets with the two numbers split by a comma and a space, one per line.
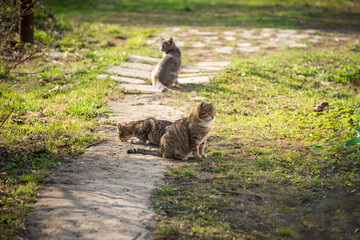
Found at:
[258, 14]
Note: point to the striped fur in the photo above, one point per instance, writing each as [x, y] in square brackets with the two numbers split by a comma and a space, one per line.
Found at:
[150, 129]
[166, 72]
[186, 137]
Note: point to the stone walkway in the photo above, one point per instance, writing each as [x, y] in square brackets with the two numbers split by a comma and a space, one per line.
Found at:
[136, 75]
[208, 52]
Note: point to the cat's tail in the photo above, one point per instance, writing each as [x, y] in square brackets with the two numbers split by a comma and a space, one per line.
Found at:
[144, 152]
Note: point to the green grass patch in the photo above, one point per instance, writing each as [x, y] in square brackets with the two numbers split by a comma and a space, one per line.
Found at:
[275, 163]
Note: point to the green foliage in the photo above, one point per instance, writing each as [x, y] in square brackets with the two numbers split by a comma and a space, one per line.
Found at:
[357, 134]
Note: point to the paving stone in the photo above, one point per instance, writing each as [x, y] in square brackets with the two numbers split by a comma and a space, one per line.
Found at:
[341, 39]
[200, 69]
[197, 44]
[210, 38]
[137, 65]
[182, 35]
[180, 43]
[244, 44]
[268, 30]
[206, 33]
[193, 80]
[229, 33]
[224, 50]
[122, 79]
[288, 42]
[144, 59]
[175, 29]
[271, 44]
[130, 72]
[250, 36]
[222, 64]
[193, 31]
[282, 35]
[251, 31]
[300, 36]
[314, 40]
[249, 49]
[142, 88]
[288, 31]
[310, 31]
[266, 34]
[198, 99]
[230, 38]
[298, 45]
[196, 74]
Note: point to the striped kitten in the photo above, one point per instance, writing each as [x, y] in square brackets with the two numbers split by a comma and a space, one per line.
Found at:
[150, 129]
[166, 72]
[186, 136]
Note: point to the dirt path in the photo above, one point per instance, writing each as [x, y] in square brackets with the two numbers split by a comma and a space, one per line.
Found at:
[103, 194]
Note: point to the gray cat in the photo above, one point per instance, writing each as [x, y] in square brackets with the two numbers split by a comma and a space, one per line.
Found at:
[166, 72]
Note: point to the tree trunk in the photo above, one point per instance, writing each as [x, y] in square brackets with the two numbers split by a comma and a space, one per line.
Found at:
[26, 23]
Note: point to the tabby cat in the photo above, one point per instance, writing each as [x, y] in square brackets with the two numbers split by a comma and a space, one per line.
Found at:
[186, 136]
[166, 72]
[150, 129]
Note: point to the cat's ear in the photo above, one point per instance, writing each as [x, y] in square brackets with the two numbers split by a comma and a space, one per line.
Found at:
[162, 39]
[202, 105]
[119, 126]
[212, 104]
[171, 40]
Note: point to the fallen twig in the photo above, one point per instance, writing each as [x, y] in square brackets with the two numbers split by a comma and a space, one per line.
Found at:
[12, 109]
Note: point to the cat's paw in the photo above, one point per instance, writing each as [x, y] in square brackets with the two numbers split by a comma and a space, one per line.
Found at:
[197, 156]
[166, 90]
[185, 158]
[204, 155]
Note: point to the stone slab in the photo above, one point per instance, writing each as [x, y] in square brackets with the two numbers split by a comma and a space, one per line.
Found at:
[230, 38]
[122, 79]
[200, 69]
[288, 31]
[128, 72]
[249, 49]
[224, 50]
[141, 88]
[198, 99]
[298, 45]
[193, 80]
[137, 65]
[206, 33]
[144, 59]
[300, 36]
[222, 64]
[180, 43]
[314, 40]
[210, 38]
[310, 31]
[229, 33]
[283, 35]
[244, 44]
[196, 44]
[268, 30]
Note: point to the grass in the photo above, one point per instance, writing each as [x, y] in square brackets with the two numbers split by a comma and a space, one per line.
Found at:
[333, 14]
[275, 164]
[275, 167]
